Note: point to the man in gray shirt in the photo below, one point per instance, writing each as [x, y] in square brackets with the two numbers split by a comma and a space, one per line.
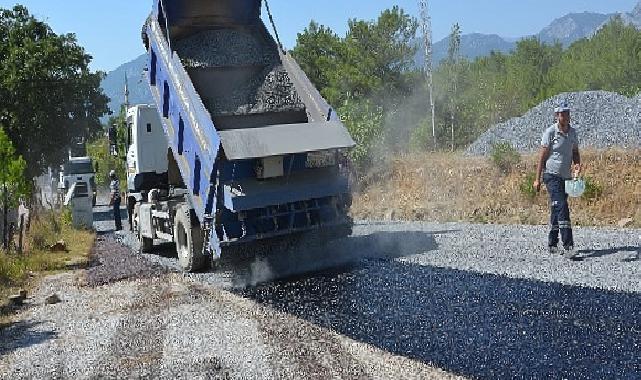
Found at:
[559, 150]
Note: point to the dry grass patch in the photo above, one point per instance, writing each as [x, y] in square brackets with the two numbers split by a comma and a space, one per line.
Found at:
[445, 187]
[19, 271]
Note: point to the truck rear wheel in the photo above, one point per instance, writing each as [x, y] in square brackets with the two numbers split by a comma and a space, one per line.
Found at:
[189, 240]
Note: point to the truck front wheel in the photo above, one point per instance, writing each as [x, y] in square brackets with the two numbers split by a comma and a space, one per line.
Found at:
[189, 240]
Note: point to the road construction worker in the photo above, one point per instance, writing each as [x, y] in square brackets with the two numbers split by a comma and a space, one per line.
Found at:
[114, 198]
[559, 152]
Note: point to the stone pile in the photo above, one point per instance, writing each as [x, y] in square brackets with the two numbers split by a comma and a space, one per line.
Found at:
[269, 91]
[603, 120]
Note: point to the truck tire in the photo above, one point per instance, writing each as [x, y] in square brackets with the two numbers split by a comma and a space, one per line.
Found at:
[189, 240]
[131, 204]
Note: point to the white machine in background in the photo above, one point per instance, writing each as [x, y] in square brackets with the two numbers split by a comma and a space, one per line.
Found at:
[79, 199]
[147, 161]
[79, 169]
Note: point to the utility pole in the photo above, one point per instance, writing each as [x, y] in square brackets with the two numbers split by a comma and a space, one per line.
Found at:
[453, 57]
[426, 24]
[126, 93]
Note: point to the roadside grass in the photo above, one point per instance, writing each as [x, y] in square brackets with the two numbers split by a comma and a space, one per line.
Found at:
[19, 271]
[449, 187]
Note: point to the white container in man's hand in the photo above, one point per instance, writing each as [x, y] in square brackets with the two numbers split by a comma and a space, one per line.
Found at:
[575, 187]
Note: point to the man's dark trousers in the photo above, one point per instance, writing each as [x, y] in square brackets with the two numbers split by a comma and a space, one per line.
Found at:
[559, 212]
[117, 218]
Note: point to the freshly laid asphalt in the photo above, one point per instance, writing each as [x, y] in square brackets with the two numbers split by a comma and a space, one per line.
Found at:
[478, 325]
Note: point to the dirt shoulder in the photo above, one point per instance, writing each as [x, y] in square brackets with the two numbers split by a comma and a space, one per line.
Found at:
[23, 272]
[453, 188]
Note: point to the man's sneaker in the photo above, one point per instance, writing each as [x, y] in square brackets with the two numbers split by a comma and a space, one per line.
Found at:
[552, 249]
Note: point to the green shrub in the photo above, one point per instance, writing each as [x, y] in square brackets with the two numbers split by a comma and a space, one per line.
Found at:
[593, 189]
[527, 186]
[421, 139]
[66, 217]
[504, 157]
[364, 120]
[98, 150]
[8, 270]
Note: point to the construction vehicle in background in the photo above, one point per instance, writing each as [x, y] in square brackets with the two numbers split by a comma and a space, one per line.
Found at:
[78, 169]
[250, 151]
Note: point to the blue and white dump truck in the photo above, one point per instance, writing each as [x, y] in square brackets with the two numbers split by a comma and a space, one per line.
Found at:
[253, 152]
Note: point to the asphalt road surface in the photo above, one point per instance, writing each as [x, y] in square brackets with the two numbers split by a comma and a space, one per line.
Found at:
[396, 300]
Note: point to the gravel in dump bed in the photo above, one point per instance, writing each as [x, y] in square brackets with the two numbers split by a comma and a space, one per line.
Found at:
[603, 119]
[270, 91]
[224, 47]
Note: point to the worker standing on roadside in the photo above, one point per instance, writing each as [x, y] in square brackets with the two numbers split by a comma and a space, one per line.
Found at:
[114, 198]
[559, 150]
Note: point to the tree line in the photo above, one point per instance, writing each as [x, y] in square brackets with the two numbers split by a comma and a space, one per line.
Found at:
[49, 101]
[371, 76]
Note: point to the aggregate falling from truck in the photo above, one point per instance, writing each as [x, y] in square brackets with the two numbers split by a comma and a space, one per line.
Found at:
[253, 150]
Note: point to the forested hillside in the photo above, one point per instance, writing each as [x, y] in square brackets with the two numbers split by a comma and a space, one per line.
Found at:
[382, 96]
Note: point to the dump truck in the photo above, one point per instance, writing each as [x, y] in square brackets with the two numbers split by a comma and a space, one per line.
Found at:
[253, 151]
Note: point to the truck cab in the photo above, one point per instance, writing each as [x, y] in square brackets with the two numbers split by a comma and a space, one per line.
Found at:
[147, 153]
[146, 156]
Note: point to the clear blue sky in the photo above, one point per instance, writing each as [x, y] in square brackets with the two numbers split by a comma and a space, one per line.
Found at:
[110, 29]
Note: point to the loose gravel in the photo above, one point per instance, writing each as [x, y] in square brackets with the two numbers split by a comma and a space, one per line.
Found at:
[482, 301]
[225, 47]
[609, 259]
[269, 90]
[392, 301]
[112, 262]
[166, 325]
[603, 120]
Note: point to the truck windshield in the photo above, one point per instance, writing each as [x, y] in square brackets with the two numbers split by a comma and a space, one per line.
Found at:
[78, 168]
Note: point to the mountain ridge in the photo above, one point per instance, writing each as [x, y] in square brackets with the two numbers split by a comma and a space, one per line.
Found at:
[565, 30]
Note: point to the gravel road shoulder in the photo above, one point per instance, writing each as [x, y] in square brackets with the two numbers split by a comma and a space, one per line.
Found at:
[129, 317]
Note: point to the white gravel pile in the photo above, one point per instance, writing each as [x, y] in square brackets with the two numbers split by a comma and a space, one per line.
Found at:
[603, 119]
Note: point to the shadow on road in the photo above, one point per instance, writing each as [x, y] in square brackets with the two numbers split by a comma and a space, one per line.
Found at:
[309, 256]
[166, 250]
[594, 254]
[19, 335]
[477, 325]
